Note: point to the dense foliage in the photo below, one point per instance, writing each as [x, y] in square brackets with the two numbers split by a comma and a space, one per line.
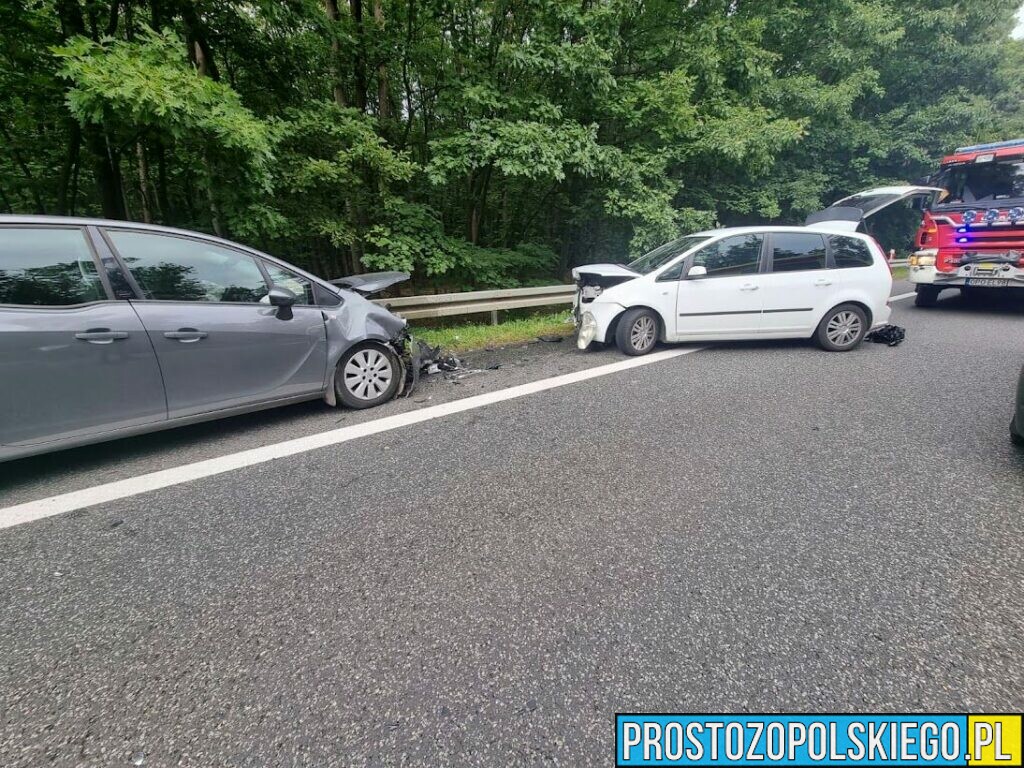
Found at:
[486, 142]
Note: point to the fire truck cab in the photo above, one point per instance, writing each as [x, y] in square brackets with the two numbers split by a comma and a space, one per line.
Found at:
[972, 231]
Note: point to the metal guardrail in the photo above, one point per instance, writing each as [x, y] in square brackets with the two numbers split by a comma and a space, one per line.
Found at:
[481, 302]
[474, 302]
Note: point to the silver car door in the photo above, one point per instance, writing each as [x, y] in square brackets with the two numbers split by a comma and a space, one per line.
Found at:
[73, 362]
[219, 342]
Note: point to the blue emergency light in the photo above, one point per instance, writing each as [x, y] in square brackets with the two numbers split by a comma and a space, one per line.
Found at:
[993, 145]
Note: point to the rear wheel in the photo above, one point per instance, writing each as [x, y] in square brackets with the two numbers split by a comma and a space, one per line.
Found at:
[927, 296]
[842, 328]
[637, 331]
[367, 375]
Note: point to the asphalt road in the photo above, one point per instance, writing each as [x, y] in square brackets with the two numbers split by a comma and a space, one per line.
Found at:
[751, 527]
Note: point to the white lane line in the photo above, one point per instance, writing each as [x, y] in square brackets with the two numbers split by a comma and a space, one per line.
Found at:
[120, 489]
[902, 296]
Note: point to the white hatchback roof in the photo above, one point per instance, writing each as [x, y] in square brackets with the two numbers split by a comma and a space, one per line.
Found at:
[828, 228]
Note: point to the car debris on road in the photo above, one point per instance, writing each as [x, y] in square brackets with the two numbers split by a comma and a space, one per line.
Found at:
[892, 335]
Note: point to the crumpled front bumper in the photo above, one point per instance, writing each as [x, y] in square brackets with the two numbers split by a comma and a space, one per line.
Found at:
[595, 318]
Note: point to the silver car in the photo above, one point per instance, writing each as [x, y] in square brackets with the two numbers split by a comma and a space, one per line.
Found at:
[110, 328]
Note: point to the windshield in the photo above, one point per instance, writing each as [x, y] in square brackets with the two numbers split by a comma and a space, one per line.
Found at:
[975, 183]
[665, 253]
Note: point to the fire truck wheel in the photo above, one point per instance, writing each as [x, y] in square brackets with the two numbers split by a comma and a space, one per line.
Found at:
[969, 294]
[927, 296]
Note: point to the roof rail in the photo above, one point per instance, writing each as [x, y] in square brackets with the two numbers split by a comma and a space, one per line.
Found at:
[993, 145]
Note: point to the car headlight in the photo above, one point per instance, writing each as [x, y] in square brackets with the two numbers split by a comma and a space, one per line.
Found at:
[588, 330]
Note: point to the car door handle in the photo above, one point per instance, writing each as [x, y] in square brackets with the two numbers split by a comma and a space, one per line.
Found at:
[101, 335]
[185, 335]
[822, 281]
[749, 287]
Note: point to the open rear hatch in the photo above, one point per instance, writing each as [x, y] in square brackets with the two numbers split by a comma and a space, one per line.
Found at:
[849, 212]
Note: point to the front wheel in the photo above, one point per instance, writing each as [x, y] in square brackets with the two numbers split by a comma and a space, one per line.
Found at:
[637, 332]
[927, 296]
[842, 328]
[367, 375]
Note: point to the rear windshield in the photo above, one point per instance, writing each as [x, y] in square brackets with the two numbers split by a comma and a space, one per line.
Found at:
[665, 253]
[980, 183]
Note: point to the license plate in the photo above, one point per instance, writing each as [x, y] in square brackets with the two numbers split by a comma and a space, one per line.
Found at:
[988, 282]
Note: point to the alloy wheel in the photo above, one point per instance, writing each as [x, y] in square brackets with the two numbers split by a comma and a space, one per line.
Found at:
[843, 328]
[643, 332]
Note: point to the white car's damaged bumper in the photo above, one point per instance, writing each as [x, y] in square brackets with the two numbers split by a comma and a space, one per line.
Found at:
[881, 319]
[595, 318]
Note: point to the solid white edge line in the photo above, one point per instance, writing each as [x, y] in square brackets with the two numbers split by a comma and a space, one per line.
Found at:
[120, 489]
[902, 296]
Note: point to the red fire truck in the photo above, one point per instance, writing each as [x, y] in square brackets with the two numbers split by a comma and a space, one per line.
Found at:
[972, 230]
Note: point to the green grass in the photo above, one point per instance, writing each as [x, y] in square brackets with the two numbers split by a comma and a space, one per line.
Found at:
[900, 273]
[469, 336]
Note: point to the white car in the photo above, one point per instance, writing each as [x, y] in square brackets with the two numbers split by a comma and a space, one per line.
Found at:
[822, 281]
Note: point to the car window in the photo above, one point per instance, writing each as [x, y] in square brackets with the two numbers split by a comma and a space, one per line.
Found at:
[850, 252]
[672, 273]
[285, 278]
[47, 267]
[173, 268]
[665, 253]
[736, 255]
[797, 251]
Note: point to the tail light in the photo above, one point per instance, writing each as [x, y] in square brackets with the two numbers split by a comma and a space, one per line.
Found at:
[947, 262]
[928, 231]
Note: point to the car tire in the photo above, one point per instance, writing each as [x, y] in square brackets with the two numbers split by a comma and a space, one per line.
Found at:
[927, 296]
[636, 333]
[367, 375]
[842, 328]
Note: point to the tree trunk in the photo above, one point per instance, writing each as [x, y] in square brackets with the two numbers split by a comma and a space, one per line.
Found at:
[383, 94]
[199, 52]
[211, 198]
[115, 161]
[356, 7]
[69, 170]
[143, 169]
[202, 56]
[333, 15]
[476, 215]
[163, 201]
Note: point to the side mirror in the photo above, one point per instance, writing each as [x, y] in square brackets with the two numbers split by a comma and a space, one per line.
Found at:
[280, 296]
[697, 272]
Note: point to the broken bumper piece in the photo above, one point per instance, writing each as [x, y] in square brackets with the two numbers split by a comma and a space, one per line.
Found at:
[587, 332]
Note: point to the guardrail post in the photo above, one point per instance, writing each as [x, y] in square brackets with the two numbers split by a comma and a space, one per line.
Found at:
[494, 317]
